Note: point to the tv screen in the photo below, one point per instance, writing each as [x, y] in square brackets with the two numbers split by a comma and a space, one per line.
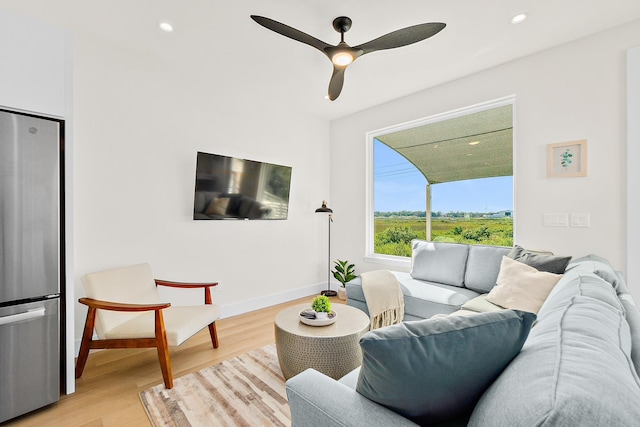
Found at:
[231, 188]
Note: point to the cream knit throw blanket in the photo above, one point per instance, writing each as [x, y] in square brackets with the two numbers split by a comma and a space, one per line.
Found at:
[384, 298]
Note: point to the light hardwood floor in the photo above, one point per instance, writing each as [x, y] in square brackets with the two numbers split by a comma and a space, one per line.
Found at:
[107, 393]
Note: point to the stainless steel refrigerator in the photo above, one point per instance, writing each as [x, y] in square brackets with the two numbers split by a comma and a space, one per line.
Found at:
[30, 260]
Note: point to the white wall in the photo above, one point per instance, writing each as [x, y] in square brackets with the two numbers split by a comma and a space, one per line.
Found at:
[139, 124]
[633, 172]
[36, 77]
[33, 66]
[575, 91]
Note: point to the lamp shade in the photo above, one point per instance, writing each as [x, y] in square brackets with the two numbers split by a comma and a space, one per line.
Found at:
[324, 208]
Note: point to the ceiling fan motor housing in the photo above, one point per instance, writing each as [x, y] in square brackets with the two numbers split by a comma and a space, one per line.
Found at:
[342, 24]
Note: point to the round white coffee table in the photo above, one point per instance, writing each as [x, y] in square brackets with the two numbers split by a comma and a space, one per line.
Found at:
[333, 350]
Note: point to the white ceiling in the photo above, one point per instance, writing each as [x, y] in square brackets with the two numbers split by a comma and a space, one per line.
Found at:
[218, 39]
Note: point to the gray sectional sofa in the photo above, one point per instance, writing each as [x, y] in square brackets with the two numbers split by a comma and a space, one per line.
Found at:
[443, 277]
[579, 364]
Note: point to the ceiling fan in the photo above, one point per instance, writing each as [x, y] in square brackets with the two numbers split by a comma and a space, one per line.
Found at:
[341, 55]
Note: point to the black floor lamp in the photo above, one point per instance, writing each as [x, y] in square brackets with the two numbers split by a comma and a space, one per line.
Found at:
[328, 292]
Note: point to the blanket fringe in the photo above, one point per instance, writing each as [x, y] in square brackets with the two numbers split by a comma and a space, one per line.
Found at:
[388, 317]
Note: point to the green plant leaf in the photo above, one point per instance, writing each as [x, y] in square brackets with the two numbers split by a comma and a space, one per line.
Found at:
[343, 271]
[321, 303]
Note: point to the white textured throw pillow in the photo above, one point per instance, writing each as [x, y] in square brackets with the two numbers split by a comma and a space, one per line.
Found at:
[521, 287]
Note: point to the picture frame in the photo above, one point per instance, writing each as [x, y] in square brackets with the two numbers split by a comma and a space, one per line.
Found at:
[567, 159]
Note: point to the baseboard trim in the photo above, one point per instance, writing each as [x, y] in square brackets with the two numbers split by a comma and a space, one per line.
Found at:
[269, 300]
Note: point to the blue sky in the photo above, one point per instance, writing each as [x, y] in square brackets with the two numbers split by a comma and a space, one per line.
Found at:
[398, 185]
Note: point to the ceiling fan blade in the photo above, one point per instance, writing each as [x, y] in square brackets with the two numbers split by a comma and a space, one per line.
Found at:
[290, 32]
[403, 37]
[337, 80]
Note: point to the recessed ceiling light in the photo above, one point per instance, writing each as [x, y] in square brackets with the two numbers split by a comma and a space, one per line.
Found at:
[474, 143]
[519, 18]
[166, 27]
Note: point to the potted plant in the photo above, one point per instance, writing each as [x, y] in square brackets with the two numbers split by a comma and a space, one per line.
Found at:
[322, 306]
[344, 272]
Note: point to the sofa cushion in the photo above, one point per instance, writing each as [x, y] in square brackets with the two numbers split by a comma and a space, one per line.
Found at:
[521, 287]
[436, 369]
[245, 204]
[575, 368]
[421, 299]
[633, 318]
[483, 266]
[202, 200]
[439, 262]
[218, 206]
[596, 265]
[539, 260]
[480, 304]
[517, 251]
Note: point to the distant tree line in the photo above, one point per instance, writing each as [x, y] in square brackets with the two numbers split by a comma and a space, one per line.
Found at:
[423, 214]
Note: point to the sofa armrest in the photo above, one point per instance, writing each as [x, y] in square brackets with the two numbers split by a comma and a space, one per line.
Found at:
[317, 400]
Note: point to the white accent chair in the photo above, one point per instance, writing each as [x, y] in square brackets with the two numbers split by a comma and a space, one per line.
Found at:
[126, 312]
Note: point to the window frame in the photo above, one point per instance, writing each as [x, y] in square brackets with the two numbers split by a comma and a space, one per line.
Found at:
[400, 261]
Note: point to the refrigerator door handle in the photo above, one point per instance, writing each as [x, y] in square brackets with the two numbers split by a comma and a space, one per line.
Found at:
[30, 314]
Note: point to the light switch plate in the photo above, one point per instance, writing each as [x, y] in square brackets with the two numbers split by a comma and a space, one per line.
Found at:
[580, 220]
[556, 220]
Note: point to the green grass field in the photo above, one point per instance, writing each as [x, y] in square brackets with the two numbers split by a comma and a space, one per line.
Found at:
[393, 235]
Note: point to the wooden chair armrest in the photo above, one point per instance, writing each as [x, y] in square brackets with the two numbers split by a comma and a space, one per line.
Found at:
[207, 287]
[184, 285]
[117, 306]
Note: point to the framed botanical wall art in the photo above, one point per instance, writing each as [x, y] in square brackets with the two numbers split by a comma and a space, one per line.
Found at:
[567, 159]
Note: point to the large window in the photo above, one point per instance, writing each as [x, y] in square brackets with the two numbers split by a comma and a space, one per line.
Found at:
[448, 178]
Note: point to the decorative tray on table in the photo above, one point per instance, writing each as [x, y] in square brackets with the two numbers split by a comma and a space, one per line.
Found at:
[308, 317]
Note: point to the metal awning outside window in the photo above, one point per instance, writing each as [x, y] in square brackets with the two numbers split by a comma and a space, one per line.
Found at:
[477, 145]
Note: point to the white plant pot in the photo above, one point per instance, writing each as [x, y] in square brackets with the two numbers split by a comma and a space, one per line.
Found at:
[342, 293]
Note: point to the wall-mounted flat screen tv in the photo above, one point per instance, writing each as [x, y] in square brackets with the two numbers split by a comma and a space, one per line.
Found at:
[232, 188]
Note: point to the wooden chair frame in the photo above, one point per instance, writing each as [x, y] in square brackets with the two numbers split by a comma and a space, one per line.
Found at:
[160, 339]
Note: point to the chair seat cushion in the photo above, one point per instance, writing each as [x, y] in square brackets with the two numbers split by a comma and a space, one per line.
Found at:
[181, 323]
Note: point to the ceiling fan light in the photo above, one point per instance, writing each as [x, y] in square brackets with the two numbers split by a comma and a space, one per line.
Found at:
[342, 58]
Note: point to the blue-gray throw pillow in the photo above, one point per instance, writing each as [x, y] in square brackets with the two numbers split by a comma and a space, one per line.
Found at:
[436, 370]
